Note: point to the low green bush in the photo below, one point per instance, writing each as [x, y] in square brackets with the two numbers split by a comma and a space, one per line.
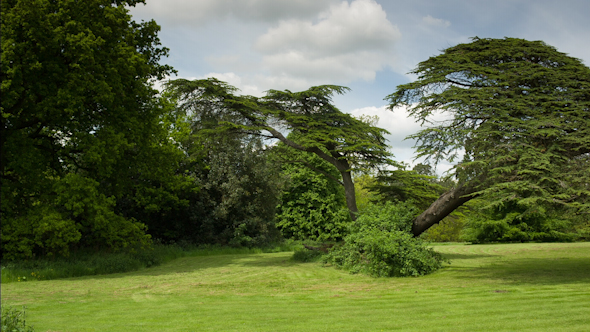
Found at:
[380, 244]
[14, 320]
[448, 230]
[512, 222]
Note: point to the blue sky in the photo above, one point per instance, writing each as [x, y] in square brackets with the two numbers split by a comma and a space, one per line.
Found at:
[367, 45]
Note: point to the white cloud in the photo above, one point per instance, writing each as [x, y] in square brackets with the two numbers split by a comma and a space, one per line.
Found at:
[351, 41]
[257, 85]
[396, 122]
[200, 12]
[245, 87]
[436, 22]
[400, 125]
[346, 28]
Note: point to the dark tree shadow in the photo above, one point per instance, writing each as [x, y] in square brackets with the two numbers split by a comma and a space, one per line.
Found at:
[453, 256]
[196, 263]
[537, 271]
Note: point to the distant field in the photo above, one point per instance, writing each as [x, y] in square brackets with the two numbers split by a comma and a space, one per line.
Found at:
[503, 287]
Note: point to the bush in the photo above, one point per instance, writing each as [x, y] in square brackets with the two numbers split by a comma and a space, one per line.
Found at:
[448, 230]
[380, 244]
[514, 223]
[13, 320]
[76, 214]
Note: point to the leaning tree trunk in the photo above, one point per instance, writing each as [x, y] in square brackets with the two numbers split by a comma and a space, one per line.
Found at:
[442, 207]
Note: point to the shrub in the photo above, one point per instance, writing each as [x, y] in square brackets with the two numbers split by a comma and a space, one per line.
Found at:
[448, 230]
[75, 214]
[13, 320]
[380, 244]
[514, 223]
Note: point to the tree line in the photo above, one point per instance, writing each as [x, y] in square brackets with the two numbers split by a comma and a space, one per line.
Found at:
[93, 157]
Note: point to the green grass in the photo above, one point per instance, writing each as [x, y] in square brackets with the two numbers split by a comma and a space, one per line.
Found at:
[502, 287]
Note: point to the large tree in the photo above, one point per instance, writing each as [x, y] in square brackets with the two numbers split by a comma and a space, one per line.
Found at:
[80, 121]
[338, 138]
[516, 124]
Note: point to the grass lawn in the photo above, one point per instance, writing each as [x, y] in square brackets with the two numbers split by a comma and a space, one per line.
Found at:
[502, 287]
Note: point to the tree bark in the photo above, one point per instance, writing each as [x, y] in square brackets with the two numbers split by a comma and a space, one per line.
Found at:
[349, 194]
[442, 207]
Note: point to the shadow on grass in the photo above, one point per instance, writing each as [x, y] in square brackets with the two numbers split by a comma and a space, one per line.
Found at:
[537, 271]
[197, 263]
[454, 256]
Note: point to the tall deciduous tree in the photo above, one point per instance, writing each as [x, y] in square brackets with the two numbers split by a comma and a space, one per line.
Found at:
[518, 111]
[338, 138]
[78, 110]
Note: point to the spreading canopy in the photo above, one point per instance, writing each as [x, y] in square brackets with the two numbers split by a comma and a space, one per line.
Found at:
[516, 118]
[338, 138]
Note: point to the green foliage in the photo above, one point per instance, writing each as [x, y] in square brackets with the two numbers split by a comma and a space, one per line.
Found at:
[380, 244]
[581, 226]
[364, 190]
[82, 128]
[313, 206]
[240, 192]
[450, 229]
[239, 188]
[76, 210]
[320, 125]
[43, 228]
[338, 138]
[519, 113]
[14, 320]
[403, 185]
[514, 222]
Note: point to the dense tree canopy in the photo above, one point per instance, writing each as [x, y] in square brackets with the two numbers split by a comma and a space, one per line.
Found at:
[403, 185]
[312, 205]
[81, 124]
[517, 124]
[338, 138]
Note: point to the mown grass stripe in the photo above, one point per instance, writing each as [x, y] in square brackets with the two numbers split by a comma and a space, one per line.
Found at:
[521, 287]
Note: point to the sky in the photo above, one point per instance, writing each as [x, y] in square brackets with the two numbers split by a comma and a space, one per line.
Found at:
[366, 45]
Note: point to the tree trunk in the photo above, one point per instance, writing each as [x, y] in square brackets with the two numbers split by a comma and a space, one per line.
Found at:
[341, 164]
[350, 194]
[442, 207]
